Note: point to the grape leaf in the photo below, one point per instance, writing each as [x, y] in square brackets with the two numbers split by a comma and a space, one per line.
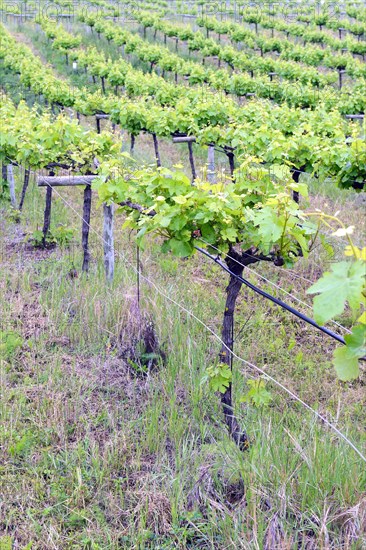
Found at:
[180, 248]
[356, 342]
[343, 284]
[258, 395]
[346, 364]
[270, 226]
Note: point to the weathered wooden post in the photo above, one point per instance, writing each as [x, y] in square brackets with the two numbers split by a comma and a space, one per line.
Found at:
[296, 177]
[132, 145]
[4, 172]
[98, 118]
[229, 151]
[25, 187]
[11, 183]
[189, 140]
[102, 80]
[341, 72]
[47, 212]
[156, 148]
[191, 160]
[211, 164]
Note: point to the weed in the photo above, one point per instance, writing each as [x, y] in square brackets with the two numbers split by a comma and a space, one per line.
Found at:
[10, 342]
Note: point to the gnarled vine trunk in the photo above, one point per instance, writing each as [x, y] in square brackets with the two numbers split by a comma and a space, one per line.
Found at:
[296, 177]
[25, 187]
[236, 261]
[191, 161]
[156, 149]
[132, 146]
[4, 172]
[86, 226]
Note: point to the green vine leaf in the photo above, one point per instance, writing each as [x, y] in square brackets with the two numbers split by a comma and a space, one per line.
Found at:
[219, 377]
[258, 395]
[346, 364]
[337, 287]
[356, 341]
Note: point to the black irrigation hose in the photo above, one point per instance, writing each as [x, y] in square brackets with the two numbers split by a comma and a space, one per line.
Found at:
[272, 298]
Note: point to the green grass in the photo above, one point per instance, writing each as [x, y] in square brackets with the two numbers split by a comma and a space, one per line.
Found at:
[93, 456]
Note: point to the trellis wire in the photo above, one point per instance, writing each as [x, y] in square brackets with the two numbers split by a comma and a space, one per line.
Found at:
[280, 303]
[272, 283]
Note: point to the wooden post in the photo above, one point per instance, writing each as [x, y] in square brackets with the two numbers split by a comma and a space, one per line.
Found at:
[86, 226]
[132, 146]
[211, 164]
[108, 212]
[340, 75]
[98, 118]
[296, 172]
[25, 187]
[4, 174]
[189, 140]
[102, 79]
[64, 181]
[11, 182]
[47, 212]
[184, 139]
[156, 148]
[191, 160]
[231, 157]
